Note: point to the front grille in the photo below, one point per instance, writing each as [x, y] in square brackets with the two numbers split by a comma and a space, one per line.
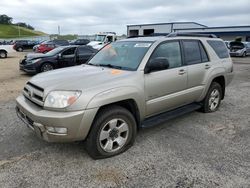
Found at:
[34, 93]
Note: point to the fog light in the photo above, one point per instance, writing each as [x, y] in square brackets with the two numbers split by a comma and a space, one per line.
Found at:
[59, 130]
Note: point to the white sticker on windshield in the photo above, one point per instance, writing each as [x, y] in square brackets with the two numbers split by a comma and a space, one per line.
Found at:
[142, 45]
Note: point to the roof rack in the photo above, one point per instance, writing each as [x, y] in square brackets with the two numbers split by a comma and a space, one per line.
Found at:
[150, 35]
[175, 34]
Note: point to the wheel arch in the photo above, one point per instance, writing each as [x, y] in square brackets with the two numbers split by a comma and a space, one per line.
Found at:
[129, 104]
[220, 80]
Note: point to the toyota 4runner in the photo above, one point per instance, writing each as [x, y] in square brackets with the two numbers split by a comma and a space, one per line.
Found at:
[128, 84]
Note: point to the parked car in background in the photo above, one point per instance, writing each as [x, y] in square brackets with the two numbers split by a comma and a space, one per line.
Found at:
[4, 42]
[103, 38]
[128, 84]
[50, 45]
[239, 49]
[247, 45]
[64, 56]
[79, 42]
[5, 50]
[37, 45]
[21, 45]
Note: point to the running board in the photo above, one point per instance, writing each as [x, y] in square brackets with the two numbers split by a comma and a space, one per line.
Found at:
[163, 117]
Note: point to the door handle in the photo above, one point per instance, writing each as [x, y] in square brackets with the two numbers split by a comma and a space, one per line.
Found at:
[207, 66]
[182, 71]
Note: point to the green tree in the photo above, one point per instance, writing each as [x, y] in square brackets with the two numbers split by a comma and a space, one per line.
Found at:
[22, 24]
[4, 19]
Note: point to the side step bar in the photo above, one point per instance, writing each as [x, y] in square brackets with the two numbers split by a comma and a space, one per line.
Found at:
[163, 117]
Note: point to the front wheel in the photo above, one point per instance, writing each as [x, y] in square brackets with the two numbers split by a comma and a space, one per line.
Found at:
[212, 100]
[19, 49]
[113, 132]
[46, 67]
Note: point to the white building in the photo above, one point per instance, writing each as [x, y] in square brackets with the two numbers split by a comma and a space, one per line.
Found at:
[226, 33]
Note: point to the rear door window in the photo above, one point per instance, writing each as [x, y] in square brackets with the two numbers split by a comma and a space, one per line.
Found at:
[192, 52]
[219, 47]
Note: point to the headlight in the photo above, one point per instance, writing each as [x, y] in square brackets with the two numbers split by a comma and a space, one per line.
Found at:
[34, 61]
[61, 99]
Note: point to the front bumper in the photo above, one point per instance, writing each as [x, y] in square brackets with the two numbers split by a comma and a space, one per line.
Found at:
[77, 123]
[236, 54]
[27, 68]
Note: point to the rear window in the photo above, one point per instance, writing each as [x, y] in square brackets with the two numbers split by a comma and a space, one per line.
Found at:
[194, 52]
[219, 47]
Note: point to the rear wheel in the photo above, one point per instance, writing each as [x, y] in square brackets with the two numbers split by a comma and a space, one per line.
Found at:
[19, 49]
[46, 67]
[113, 132]
[3, 54]
[212, 100]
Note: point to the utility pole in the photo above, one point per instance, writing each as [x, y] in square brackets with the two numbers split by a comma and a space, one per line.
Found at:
[59, 30]
[18, 30]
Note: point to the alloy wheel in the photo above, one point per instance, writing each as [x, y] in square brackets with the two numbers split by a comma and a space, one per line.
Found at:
[47, 67]
[114, 135]
[214, 99]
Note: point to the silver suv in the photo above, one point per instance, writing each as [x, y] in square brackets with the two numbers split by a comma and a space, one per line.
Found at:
[129, 84]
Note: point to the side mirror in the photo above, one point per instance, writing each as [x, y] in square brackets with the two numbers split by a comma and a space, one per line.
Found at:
[157, 64]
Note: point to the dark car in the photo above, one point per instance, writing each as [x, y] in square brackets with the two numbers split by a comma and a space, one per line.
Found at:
[21, 45]
[50, 45]
[64, 56]
[80, 42]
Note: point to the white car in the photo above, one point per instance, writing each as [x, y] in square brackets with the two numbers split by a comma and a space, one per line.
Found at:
[102, 39]
[5, 49]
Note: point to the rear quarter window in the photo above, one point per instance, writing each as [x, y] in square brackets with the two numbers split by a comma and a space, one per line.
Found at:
[219, 47]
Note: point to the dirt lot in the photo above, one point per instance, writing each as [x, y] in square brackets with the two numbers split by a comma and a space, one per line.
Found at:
[195, 150]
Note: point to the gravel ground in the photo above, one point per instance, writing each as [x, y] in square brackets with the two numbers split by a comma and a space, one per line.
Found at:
[194, 150]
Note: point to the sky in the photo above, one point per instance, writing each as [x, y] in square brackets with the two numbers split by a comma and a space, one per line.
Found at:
[92, 16]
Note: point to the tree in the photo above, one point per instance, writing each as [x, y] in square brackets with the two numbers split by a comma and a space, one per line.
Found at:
[22, 24]
[4, 19]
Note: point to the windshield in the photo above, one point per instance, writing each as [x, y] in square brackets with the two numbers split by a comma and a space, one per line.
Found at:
[55, 51]
[100, 38]
[122, 55]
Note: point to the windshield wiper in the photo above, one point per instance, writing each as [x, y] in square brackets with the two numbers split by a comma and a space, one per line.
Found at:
[110, 66]
[92, 64]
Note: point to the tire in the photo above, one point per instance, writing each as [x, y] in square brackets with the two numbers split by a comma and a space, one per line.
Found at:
[212, 101]
[113, 132]
[3, 54]
[244, 54]
[46, 67]
[19, 49]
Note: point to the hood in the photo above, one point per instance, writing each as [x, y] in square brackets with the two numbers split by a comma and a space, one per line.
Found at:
[83, 77]
[31, 56]
[94, 43]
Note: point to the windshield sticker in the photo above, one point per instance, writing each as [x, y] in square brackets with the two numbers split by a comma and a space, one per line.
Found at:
[142, 45]
[115, 71]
